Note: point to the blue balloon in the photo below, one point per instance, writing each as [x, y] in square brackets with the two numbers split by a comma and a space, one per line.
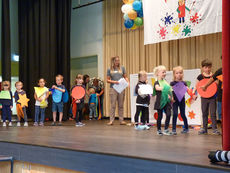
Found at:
[126, 17]
[129, 23]
[137, 5]
[140, 13]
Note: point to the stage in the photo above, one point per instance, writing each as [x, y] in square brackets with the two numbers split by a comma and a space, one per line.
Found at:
[100, 146]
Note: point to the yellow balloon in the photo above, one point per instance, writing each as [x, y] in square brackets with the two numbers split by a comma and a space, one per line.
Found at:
[128, 1]
[134, 27]
[132, 14]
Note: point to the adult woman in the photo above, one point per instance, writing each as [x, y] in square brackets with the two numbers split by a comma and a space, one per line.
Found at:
[114, 74]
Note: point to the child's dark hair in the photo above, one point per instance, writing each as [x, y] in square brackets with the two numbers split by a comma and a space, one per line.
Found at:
[85, 77]
[41, 79]
[79, 76]
[206, 63]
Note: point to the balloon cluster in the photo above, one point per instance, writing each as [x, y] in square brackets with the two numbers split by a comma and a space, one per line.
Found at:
[133, 13]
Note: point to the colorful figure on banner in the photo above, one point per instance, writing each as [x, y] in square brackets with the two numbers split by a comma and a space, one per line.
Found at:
[168, 19]
[163, 92]
[58, 91]
[191, 115]
[176, 29]
[142, 102]
[181, 10]
[78, 93]
[21, 103]
[41, 95]
[187, 30]
[6, 100]
[195, 19]
[162, 32]
[208, 98]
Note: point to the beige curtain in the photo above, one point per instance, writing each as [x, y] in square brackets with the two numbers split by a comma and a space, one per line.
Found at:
[129, 46]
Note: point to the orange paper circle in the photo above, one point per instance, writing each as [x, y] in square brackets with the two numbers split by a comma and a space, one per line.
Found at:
[78, 92]
[210, 91]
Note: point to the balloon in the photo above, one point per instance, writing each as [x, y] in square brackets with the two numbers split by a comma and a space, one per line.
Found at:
[137, 5]
[128, 1]
[126, 17]
[140, 13]
[129, 23]
[126, 8]
[138, 21]
[132, 14]
[134, 26]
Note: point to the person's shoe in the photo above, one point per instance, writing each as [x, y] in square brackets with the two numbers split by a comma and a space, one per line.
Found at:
[10, 124]
[146, 127]
[139, 127]
[35, 124]
[90, 119]
[26, 124]
[174, 133]
[184, 131]
[122, 123]
[41, 124]
[82, 124]
[78, 124]
[167, 132]
[53, 124]
[159, 132]
[216, 132]
[202, 132]
[4, 124]
[18, 124]
[59, 123]
[110, 123]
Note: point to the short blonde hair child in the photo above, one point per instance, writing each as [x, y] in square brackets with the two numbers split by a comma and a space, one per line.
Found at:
[158, 68]
[18, 82]
[178, 68]
[141, 73]
[6, 82]
[60, 76]
[91, 90]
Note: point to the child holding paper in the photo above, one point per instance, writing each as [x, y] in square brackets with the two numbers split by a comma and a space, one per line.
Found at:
[41, 95]
[163, 93]
[6, 100]
[179, 90]
[142, 102]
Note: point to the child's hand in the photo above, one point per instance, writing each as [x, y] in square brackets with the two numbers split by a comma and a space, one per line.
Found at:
[78, 101]
[54, 87]
[116, 82]
[194, 97]
[11, 107]
[0, 106]
[39, 99]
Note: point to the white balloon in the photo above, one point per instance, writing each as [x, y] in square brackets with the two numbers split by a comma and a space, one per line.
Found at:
[126, 8]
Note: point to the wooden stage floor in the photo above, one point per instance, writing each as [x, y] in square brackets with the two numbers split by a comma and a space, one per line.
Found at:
[97, 137]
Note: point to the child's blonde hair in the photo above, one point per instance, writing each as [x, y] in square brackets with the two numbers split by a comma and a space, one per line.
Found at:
[6, 82]
[91, 90]
[157, 69]
[179, 68]
[18, 82]
[141, 73]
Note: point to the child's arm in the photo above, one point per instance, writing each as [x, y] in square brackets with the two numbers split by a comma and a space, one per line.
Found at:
[47, 95]
[158, 88]
[11, 103]
[60, 89]
[36, 97]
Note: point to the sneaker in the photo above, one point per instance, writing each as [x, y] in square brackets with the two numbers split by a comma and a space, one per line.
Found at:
[53, 124]
[41, 124]
[159, 132]
[10, 124]
[59, 123]
[4, 124]
[184, 131]
[78, 124]
[26, 124]
[35, 124]
[167, 132]
[122, 123]
[146, 127]
[202, 132]
[90, 119]
[82, 124]
[18, 124]
[174, 133]
[110, 123]
[139, 127]
[216, 132]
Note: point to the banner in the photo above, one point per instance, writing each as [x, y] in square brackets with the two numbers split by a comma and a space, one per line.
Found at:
[192, 110]
[177, 19]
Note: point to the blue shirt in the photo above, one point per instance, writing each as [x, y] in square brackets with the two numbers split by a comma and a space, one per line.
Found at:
[92, 98]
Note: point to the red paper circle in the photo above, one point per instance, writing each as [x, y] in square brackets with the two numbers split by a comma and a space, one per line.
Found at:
[78, 92]
[210, 91]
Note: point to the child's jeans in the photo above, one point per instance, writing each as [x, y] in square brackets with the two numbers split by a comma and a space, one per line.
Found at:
[6, 111]
[92, 110]
[38, 109]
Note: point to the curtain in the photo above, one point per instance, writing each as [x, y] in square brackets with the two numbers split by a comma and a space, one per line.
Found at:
[6, 51]
[129, 46]
[44, 44]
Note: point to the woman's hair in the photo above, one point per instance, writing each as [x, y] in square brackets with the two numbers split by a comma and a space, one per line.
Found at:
[141, 73]
[18, 82]
[158, 68]
[85, 77]
[176, 69]
[6, 83]
[112, 67]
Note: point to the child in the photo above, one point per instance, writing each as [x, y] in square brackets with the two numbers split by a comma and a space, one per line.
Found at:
[41, 95]
[92, 103]
[6, 99]
[77, 105]
[142, 103]
[207, 103]
[178, 75]
[20, 110]
[57, 105]
[163, 93]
